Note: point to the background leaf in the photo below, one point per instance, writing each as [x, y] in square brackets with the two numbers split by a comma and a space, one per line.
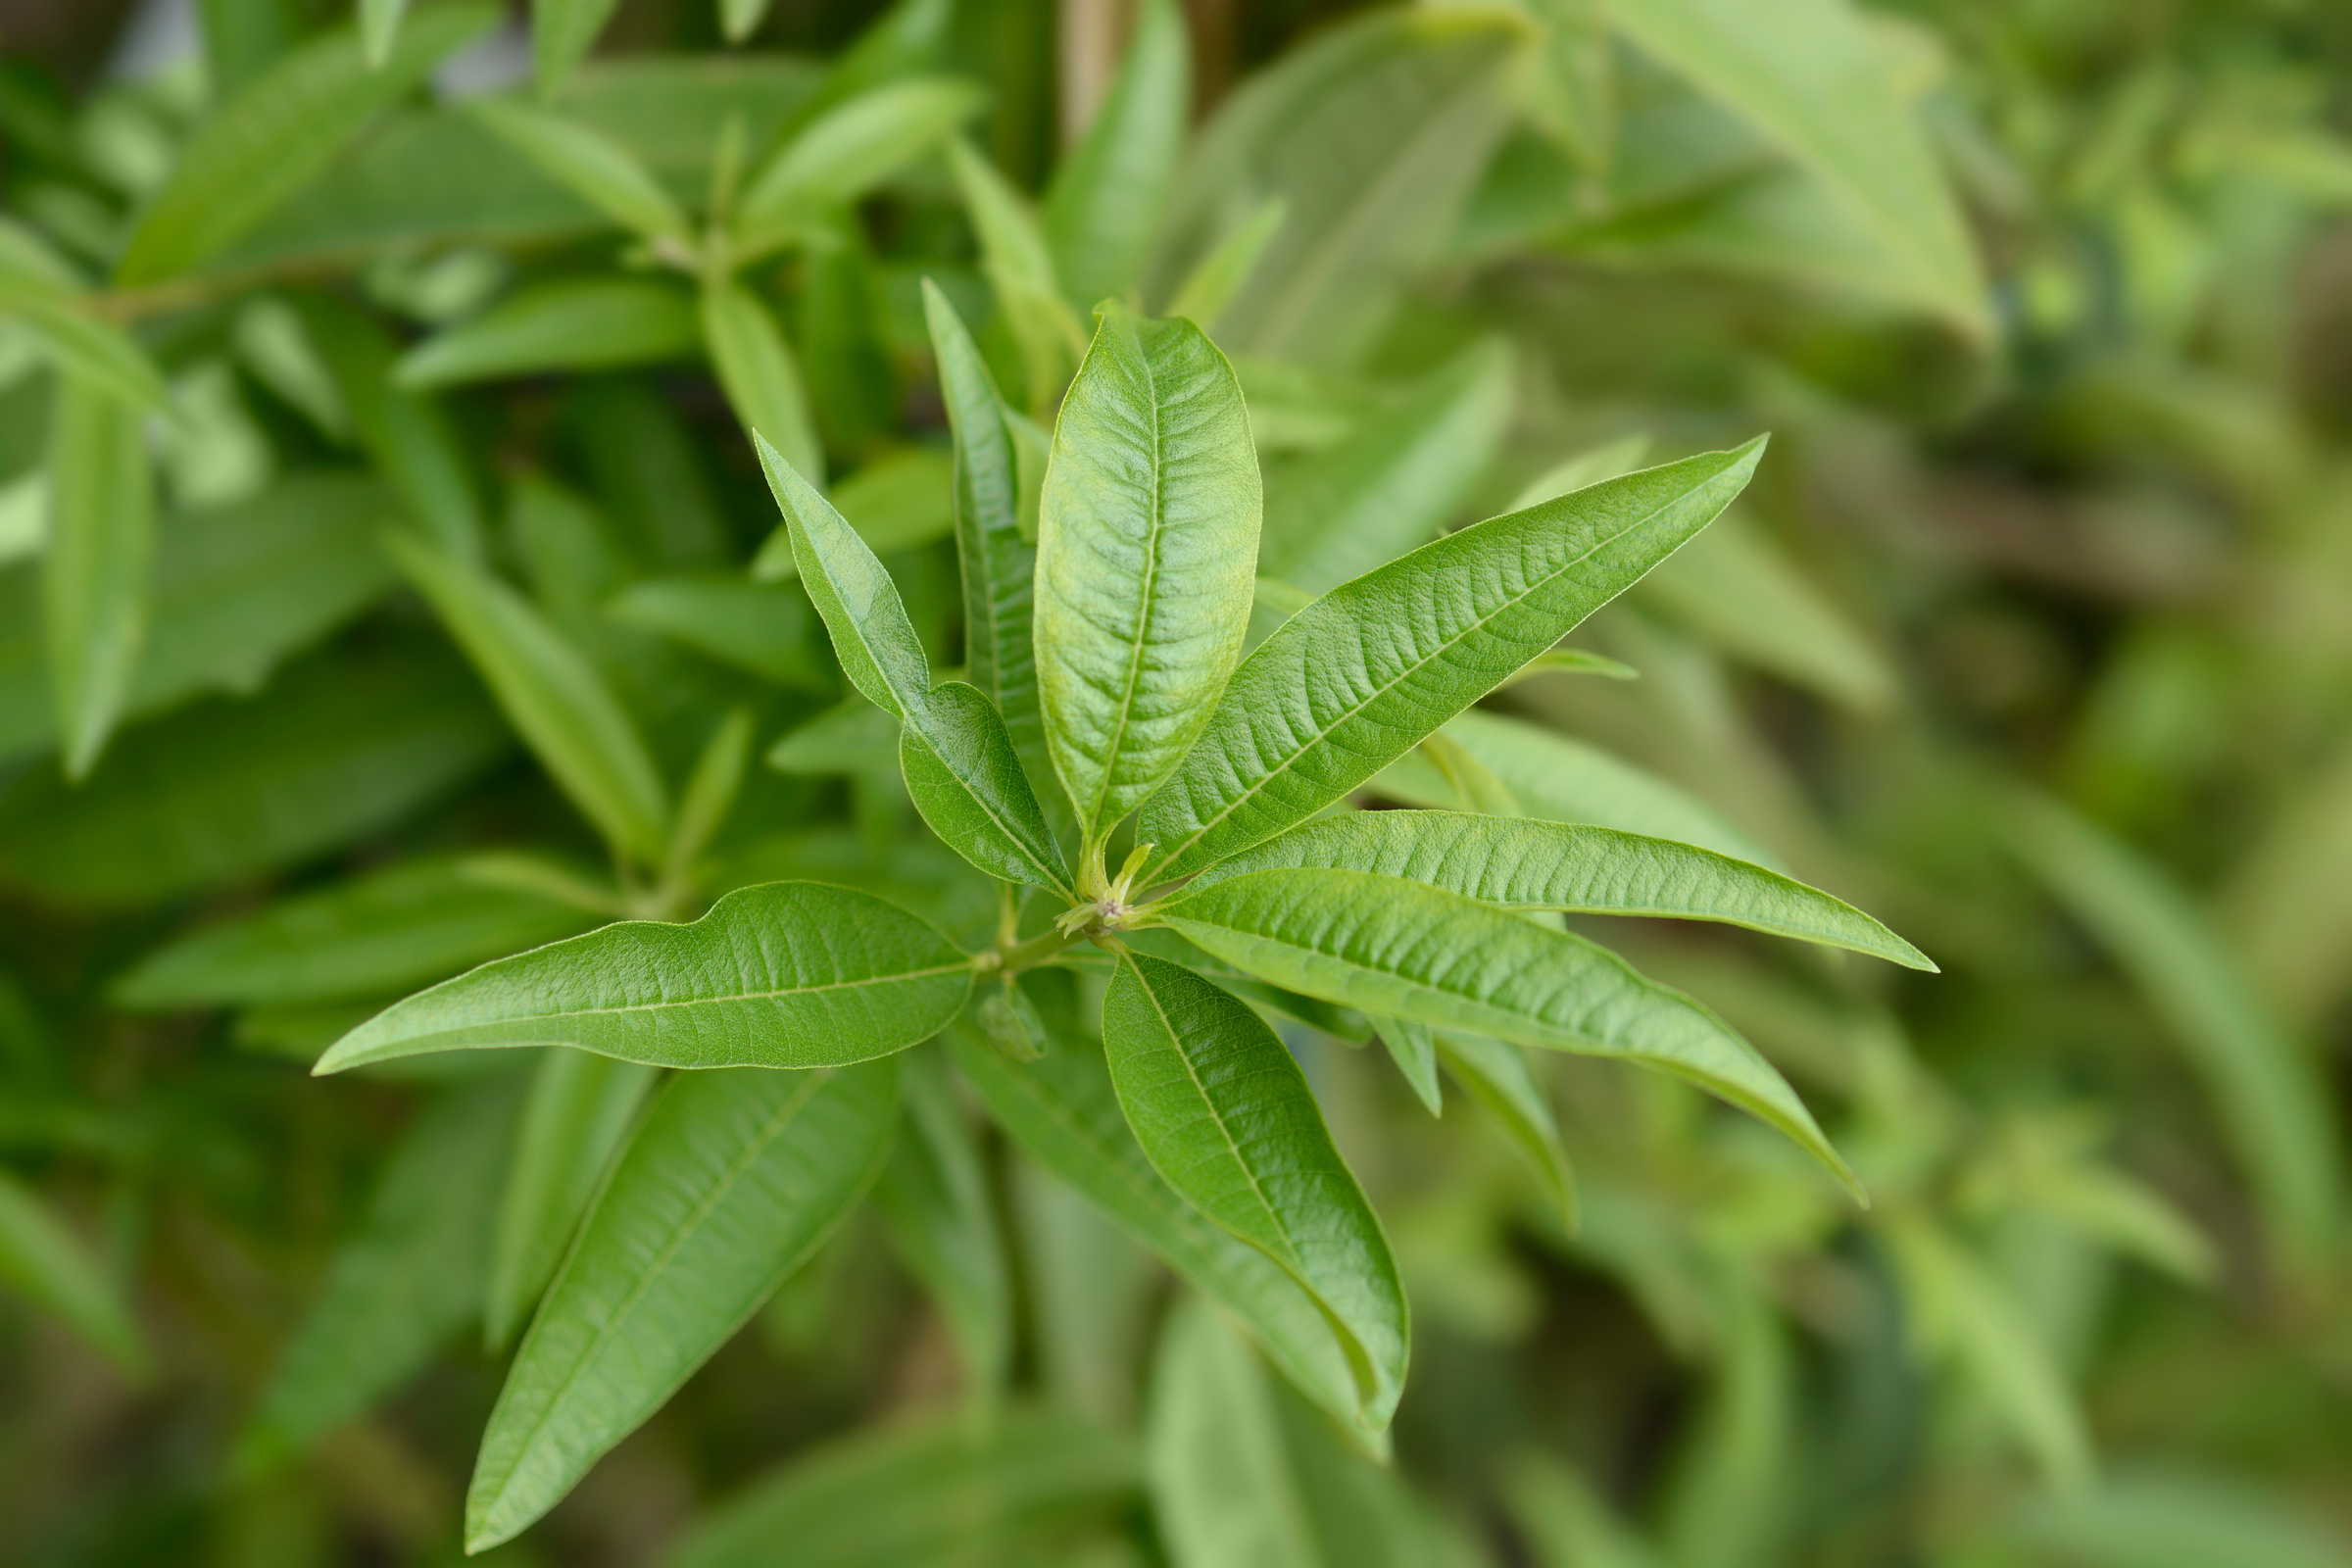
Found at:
[95, 582]
[1105, 204]
[41, 1261]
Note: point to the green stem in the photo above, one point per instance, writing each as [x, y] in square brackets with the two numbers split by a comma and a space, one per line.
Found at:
[1029, 954]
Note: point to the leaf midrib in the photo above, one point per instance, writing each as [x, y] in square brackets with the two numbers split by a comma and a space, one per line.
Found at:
[1142, 628]
[705, 1002]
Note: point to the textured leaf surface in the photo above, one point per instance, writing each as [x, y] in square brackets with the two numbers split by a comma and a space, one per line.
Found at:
[1146, 556]
[578, 323]
[1103, 208]
[97, 572]
[1350, 683]
[1396, 947]
[732, 1182]
[791, 974]
[41, 1261]
[1526, 864]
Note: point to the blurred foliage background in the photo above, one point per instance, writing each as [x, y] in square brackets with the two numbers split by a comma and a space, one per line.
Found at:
[2035, 637]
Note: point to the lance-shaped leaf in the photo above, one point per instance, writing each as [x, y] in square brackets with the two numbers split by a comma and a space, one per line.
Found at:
[934, 1199]
[1391, 945]
[1000, 564]
[732, 1181]
[562, 32]
[1229, 266]
[552, 694]
[1499, 1077]
[846, 152]
[41, 1261]
[1414, 1048]
[762, 379]
[1350, 683]
[571, 323]
[1019, 264]
[790, 974]
[1103, 208]
[578, 1110]
[1146, 558]
[282, 133]
[959, 763]
[1063, 1110]
[81, 345]
[592, 166]
[1526, 864]
[1223, 1494]
[379, 28]
[1224, 1113]
[766, 630]
[95, 573]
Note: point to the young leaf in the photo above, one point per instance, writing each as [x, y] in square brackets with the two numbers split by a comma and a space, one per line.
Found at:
[402, 1284]
[792, 974]
[1396, 947]
[934, 1198]
[570, 323]
[1020, 269]
[1500, 1078]
[1226, 1116]
[95, 575]
[1526, 864]
[1146, 556]
[407, 924]
[760, 376]
[960, 763]
[844, 153]
[1063, 1109]
[578, 1110]
[1222, 1492]
[278, 135]
[42, 1261]
[1103, 207]
[1414, 1050]
[553, 697]
[732, 1182]
[1352, 681]
[593, 167]
[562, 32]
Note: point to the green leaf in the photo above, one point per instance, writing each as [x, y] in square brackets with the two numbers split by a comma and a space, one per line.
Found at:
[280, 135]
[1414, 1050]
[740, 19]
[732, 1182]
[1810, 79]
[768, 632]
[42, 1261]
[1500, 1078]
[336, 750]
[1565, 1520]
[760, 376]
[1223, 1495]
[562, 32]
[1396, 947]
[710, 797]
[1394, 483]
[792, 974]
[402, 1285]
[407, 924]
[553, 696]
[1103, 208]
[1525, 864]
[1147, 557]
[570, 323]
[593, 167]
[901, 500]
[1228, 267]
[1561, 780]
[929, 1495]
[579, 1110]
[935, 1199]
[379, 30]
[1373, 135]
[1352, 681]
[96, 574]
[88, 350]
[958, 760]
[2171, 1516]
[847, 151]
[855, 738]
[1063, 1109]
[2266, 1091]
[1019, 264]
[1225, 1115]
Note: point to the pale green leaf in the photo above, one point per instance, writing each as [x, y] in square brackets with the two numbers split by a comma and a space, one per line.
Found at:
[280, 135]
[847, 151]
[404, 1284]
[574, 323]
[1222, 1492]
[856, 737]
[709, 795]
[579, 1110]
[562, 32]
[1396, 947]
[1414, 1050]
[732, 1180]
[593, 167]
[1571, 94]
[553, 697]
[923, 1497]
[740, 19]
[1565, 1520]
[901, 500]
[1475, 787]
[762, 379]
[1394, 483]
[1146, 558]
[1103, 208]
[42, 1261]
[407, 924]
[1589, 466]
[1225, 1115]
[1500, 1078]
[1228, 267]
[1019, 264]
[790, 974]
[1355, 679]
[2171, 1516]
[90, 349]
[379, 28]
[96, 574]
[1572, 662]
[934, 1198]
[1522, 863]
[766, 630]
